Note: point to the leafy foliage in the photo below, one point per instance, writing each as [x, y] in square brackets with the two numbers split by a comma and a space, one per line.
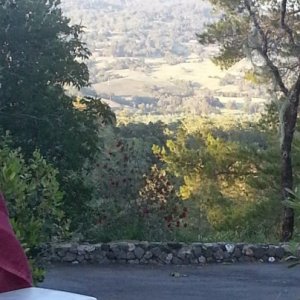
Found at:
[201, 179]
[124, 157]
[41, 54]
[267, 32]
[227, 175]
[161, 210]
[34, 202]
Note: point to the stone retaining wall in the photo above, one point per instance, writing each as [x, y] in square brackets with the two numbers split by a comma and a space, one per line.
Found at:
[166, 253]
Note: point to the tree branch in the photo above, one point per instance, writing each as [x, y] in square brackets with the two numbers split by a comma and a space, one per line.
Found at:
[283, 24]
[297, 87]
[263, 51]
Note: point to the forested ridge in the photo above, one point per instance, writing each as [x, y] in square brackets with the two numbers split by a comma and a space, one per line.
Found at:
[134, 28]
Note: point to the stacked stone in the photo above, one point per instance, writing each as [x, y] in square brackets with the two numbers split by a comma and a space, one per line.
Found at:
[167, 253]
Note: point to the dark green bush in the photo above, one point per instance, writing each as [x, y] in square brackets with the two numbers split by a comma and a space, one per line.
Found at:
[34, 199]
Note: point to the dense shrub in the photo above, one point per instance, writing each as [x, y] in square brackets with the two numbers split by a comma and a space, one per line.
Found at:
[161, 211]
[227, 176]
[34, 202]
[116, 176]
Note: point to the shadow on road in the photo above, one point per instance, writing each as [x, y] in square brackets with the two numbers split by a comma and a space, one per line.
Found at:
[216, 282]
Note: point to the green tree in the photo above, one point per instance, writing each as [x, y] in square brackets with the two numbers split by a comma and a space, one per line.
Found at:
[227, 175]
[125, 157]
[267, 32]
[42, 53]
[34, 201]
[161, 210]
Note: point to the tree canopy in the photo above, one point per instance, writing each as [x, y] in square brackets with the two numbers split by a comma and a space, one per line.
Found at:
[267, 32]
[42, 53]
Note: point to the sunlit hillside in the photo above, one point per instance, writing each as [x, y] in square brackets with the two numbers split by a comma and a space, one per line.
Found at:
[146, 59]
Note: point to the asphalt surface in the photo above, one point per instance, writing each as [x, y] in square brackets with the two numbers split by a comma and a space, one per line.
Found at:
[215, 282]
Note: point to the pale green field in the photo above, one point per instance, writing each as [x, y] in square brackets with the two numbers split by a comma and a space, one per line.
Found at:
[126, 87]
[205, 73]
[240, 100]
[138, 82]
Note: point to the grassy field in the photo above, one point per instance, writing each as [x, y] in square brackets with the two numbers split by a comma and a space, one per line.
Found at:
[204, 73]
[134, 82]
[142, 49]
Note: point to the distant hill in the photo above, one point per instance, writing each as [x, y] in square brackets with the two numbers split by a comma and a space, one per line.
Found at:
[139, 28]
[146, 57]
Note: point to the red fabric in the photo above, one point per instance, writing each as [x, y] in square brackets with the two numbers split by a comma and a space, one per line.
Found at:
[14, 269]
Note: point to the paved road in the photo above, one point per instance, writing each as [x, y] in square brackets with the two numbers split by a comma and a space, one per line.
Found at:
[215, 282]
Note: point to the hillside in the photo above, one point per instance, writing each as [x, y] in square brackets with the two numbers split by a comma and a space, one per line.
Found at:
[146, 59]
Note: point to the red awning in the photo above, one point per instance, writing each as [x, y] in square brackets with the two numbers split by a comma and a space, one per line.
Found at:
[14, 269]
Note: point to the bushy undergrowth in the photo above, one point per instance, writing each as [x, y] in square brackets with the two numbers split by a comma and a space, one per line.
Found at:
[34, 201]
[202, 182]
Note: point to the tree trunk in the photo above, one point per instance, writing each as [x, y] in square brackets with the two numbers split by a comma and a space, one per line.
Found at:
[288, 124]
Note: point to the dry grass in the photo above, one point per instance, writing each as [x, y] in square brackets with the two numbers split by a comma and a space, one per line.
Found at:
[205, 73]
